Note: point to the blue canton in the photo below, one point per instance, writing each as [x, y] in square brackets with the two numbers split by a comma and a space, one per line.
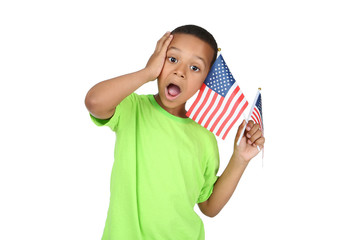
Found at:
[219, 78]
[258, 104]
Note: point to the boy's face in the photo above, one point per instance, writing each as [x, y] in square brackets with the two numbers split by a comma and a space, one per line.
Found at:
[186, 66]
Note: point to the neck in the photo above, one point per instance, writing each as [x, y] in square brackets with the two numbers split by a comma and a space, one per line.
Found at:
[177, 111]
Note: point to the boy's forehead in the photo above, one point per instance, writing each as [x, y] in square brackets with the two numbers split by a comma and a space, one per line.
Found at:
[192, 45]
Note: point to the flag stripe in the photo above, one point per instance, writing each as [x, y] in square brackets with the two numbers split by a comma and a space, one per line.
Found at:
[225, 108]
[222, 107]
[236, 104]
[233, 105]
[256, 114]
[214, 112]
[212, 107]
[202, 105]
[235, 120]
[196, 101]
[213, 99]
[206, 105]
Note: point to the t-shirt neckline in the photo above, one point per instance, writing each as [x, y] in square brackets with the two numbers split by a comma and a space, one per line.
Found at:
[163, 111]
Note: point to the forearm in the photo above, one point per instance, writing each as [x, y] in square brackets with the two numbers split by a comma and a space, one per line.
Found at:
[225, 186]
[102, 99]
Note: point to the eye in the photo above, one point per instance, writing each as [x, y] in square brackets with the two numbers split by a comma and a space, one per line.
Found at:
[195, 68]
[172, 59]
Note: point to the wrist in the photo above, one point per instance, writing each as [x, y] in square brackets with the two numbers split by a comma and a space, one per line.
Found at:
[239, 160]
[149, 74]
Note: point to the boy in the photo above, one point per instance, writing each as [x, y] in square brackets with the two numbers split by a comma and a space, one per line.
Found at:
[165, 163]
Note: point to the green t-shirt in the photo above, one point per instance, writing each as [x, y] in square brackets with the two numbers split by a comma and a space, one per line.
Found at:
[163, 166]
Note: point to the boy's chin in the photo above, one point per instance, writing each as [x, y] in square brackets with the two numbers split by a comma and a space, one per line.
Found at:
[167, 102]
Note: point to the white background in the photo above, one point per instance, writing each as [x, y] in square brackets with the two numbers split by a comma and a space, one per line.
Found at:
[55, 163]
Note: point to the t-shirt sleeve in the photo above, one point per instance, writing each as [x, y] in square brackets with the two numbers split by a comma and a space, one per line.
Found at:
[123, 109]
[211, 170]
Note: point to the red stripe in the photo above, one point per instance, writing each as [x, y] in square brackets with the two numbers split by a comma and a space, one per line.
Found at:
[214, 112]
[236, 90]
[255, 117]
[237, 117]
[238, 101]
[259, 116]
[208, 108]
[255, 120]
[196, 101]
[202, 105]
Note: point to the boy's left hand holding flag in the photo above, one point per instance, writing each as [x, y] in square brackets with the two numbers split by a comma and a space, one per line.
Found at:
[254, 132]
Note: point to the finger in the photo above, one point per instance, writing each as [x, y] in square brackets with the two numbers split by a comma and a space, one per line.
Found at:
[255, 136]
[255, 127]
[249, 125]
[166, 44]
[161, 41]
[259, 142]
[239, 131]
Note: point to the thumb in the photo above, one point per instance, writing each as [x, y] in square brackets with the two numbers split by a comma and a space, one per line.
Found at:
[240, 130]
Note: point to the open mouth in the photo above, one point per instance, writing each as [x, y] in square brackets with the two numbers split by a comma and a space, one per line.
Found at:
[172, 91]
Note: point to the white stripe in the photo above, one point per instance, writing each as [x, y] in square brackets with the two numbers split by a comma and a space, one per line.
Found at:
[259, 117]
[212, 109]
[222, 106]
[228, 111]
[199, 103]
[233, 117]
[212, 93]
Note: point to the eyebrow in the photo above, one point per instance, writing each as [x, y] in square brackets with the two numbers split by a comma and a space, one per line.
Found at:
[177, 49]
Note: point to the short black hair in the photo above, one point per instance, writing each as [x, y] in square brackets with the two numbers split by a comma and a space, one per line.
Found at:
[202, 34]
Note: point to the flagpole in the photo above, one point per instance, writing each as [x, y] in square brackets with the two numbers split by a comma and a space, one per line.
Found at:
[247, 120]
[242, 132]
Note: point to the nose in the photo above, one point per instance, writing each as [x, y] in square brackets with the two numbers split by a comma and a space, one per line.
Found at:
[180, 71]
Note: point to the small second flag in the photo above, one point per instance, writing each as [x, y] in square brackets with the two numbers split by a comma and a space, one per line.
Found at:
[256, 112]
[220, 102]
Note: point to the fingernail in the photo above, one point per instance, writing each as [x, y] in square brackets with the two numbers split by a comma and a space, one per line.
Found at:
[248, 135]
[248, 128]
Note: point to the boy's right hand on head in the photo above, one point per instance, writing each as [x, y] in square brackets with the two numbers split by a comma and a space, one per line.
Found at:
[157, 59]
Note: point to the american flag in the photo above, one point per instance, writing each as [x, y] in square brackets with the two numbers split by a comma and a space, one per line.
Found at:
[256, 113]
[220, 102]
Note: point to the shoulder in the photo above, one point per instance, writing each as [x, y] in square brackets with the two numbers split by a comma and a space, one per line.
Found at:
[133, 100]
[206, 139]
[205, 134]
